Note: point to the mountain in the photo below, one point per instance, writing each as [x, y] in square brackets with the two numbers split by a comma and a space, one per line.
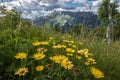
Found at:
[65, 19]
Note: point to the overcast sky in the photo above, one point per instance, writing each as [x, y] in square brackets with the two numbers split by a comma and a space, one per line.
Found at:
[37, 8]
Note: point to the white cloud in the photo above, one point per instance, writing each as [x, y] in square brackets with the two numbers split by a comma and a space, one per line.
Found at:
[119, 7]
[79, 1]
[37, 8]
[97, 3]
[74, 1]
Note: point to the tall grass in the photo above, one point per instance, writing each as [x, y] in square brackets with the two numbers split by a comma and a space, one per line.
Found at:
[107, 57]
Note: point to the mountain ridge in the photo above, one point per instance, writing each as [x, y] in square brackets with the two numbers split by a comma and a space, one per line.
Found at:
[66, 20]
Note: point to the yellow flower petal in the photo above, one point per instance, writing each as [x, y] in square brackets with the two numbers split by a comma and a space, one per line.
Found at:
[21, 71]
[21, 55]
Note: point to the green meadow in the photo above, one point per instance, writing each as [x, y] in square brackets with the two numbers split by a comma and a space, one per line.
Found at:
[34, 53]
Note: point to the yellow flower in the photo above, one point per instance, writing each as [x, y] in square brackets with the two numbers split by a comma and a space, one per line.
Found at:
[71, 42]
[66, 41]
[56, 46]
[91, 60]
[96, 73]
[39, 68]
[74, 46]
[78, 57]
[21, 71]
[44, 43]
[41, 50]
[69, 54]
[67, 64]
[50, 38]
[40, 43]
[80, 52]
[63, 60]
[70, 50]
[63, 37]
[86, 63]
[87, 55]
[21, 55]
[84, 52]
[80, 43]
[38, 56]
[69, 36]
[36, 43]
[59, 58]
[63, 46]
[59, 46]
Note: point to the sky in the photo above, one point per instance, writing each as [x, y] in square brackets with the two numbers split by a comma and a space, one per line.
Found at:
[36, 8]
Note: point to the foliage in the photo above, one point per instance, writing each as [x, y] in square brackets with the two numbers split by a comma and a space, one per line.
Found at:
[103, 11]
[27, 55]
[78, 29]
[12, 19]
[116, 31]
[99, 32]
[56, 28]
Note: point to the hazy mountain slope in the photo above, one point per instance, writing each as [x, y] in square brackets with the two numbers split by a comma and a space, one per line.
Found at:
[66, 20]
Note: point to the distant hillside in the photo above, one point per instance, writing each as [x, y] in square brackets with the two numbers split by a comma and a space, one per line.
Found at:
[66, 20]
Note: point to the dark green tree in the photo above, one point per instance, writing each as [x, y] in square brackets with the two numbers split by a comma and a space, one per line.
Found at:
[103, 12]
[107, 13]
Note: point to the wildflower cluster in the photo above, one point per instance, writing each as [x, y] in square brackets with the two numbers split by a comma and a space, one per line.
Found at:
[63, 60]
[65, 54]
